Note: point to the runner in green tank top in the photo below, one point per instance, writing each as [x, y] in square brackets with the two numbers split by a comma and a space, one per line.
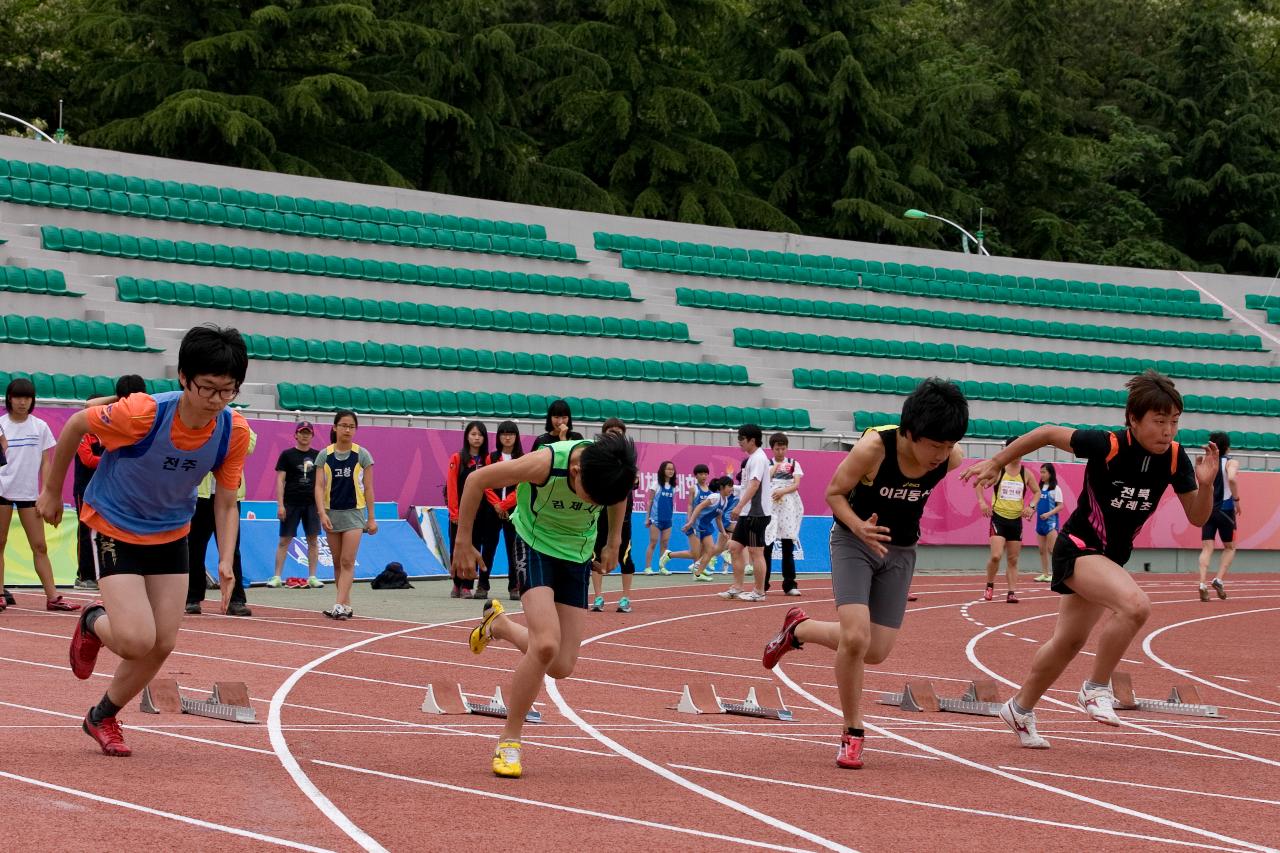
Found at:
[561, 489]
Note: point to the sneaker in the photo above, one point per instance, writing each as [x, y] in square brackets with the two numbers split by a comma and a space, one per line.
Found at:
[84, 645]
[506, 759]
[1010, 597]
[648, 570]
[9, 599]
[456, 592]
[86, 584]
[1219, 589]
[785, 640]
[1024, 725]
[479, 594]
[711, 564]
[793, 591]
[749, 570]
[731, 592]
[65, 606]
[664, 571]
[1099, 704]
[339, 611]
[274, 582]
[911, 596]
[295, 583]
[597, 606]
[849, 755]
[192, 609]
[238, 608]
[624, 605]
[988, 593]
[314, 582]
[1044, 578]
[663, 559]
[752, 595]
[1204, 593]
[108, 735]
[482, 634]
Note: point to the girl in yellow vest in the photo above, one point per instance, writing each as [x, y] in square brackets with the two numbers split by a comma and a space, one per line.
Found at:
[1006, 512]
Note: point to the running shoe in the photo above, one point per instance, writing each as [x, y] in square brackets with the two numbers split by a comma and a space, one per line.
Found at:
[192, 609]
[482, 634]
[911, 596]
[1204, 593]
[1010, 597]
[988, 593]
[86, 584]
[1024, 725]
[1219, 588]
[506, 759]
[785, 640]
[624, 605]
[65, 606]
[597, 606]
[795, 590]
[238, 608]
[84, 645]
[752, 595]
[731, 592]
[849, 755]
[108, 735]
[314, 582]
[663, 559]
[648, 570]
[711, 564]
[274, 582]
[750, 570]
[9, 599]
[1099, 704]
[1044, 578]
[339, 611]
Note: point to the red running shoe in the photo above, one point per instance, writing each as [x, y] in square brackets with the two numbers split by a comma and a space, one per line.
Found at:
[785, 640]
[850, 755]
[108, 735]
[911, 596]
[60, 603]
[84, 646]
[988, 593]
[1010, 598]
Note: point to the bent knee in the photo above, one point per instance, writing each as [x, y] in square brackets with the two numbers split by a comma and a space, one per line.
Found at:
[1135, 607]
[1229, 546]
[875, 656]
[856, 642]
[561, 669]
[543, 651]
[135, 646]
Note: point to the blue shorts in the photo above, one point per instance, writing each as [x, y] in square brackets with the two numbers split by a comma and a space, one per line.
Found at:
[569, 581]
[705, 532]
[660, 524]
[1045, 526]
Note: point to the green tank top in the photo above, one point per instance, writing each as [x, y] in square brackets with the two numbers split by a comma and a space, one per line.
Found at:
[550, 517]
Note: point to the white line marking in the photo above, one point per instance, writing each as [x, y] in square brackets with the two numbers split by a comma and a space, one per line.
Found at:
[1146, 648]
[1149, 787]
[203, 824]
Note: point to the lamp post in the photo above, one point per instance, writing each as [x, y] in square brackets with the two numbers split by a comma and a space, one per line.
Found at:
[977, 241]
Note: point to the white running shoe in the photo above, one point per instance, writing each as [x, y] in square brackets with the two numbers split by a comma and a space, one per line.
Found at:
[1099, 704]
[750, 570]
[752, 595]
[731, 592]
[1024, 725]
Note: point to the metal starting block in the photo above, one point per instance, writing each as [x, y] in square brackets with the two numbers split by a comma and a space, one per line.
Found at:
[230, 701]
[454, 701]
[1184, 698]
[980, 698]
[703, 699]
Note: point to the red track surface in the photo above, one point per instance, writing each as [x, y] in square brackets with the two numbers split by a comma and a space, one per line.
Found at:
[612, 768]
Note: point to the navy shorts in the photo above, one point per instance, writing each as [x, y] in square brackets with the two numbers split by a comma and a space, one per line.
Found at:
[300, 513]
[569, 581]
[1221, 524]
[660, 524]
[111, 556]
[705, 532]
[1045, 526]
[17, 504]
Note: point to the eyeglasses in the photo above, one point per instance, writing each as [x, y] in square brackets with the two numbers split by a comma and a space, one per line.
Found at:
[208, 392]
[344, 426]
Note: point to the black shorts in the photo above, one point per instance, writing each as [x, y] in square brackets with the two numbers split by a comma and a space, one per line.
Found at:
[17, 504]
[113, 557]
[1221, 524]
[569, 581]
[749, 531]
[1066, 551]
[1008, 528]
[305, 513]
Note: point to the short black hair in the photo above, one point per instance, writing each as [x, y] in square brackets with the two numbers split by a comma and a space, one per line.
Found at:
[779, 438]
[1151, 391]
[211, 350]
[608, 468]
[936, 410]
[337, 416]
[700, 468]
[1222, 440]
[752, 432]
[130, 383]
[558, 408]
[613, 423]
[19, 387]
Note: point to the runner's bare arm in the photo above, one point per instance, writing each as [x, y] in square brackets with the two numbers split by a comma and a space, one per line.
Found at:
[533, 467]
[1198, 505]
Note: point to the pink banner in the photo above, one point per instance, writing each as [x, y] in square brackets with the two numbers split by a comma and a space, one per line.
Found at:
[411, 466]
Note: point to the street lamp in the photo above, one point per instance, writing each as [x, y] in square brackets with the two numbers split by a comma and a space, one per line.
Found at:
[977, 241]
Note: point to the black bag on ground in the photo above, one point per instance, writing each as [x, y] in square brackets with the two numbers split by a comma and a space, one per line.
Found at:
[392, 577]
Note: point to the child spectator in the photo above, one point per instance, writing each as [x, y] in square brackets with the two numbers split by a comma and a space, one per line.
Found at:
[344, 502]
[559, 425]
[472, 456]
[503, 502]
[788, 513]
[296, 502]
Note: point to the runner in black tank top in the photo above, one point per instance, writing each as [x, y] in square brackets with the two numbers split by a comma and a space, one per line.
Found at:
[877, 497]
[1127, 473]
[1223, 520]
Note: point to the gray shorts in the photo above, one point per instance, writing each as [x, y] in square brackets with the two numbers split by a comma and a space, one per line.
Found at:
[347, 519]
[860, 577]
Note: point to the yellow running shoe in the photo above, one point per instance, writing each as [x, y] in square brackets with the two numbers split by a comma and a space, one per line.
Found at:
[506, 759]
[483, 633]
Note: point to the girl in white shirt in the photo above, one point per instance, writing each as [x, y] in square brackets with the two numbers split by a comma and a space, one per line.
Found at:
[28, 441]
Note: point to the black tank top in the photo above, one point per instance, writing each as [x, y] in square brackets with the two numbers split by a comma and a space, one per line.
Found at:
[896, 499]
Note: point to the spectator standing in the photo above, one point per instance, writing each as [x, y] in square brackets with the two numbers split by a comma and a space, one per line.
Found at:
[296, 502]
[559, 426]
[750, 516]
[788, 513]
[344, 502]
[472, 456]
[202, 530]
[503, 501]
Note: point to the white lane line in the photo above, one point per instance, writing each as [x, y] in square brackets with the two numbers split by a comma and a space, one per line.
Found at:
[473, 792]
[675, 778]
[1146, 648]
[203, 824]
[930, 804]
[1164, 788]
[995, 771]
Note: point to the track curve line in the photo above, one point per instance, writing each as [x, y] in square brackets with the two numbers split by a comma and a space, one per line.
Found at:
[1146, 648]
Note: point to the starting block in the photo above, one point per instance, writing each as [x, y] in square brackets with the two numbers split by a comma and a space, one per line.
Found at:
[1184, 698]
[980, 698]
[703, 699]
[230, 701]
[454, 701]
